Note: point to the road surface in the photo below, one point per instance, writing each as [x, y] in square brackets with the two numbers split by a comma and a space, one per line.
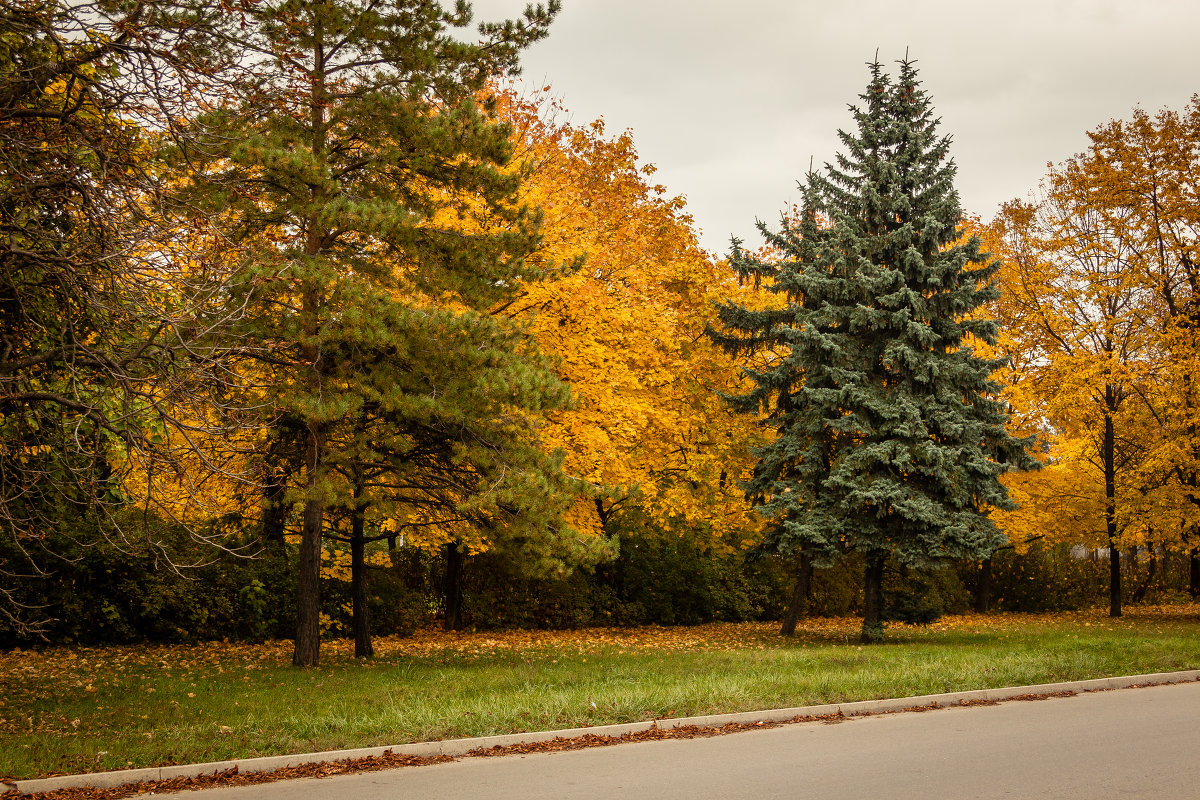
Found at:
[1129, 743]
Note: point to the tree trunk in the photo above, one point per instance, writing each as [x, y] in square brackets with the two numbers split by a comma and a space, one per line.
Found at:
[452, 588]
[308, 579]
[1110, 516]
[1194, 572]
[360, 616]
[308, 575]
[983, 587]
[276, 508]
[872, 629]
[393, 553]
[603, 512]
[799, 595]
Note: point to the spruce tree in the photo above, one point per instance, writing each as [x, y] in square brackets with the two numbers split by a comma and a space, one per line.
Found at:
[889, 438]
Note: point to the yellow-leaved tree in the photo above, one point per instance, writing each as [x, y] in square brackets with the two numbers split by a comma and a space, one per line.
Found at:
[627, 328]
[1099, 291]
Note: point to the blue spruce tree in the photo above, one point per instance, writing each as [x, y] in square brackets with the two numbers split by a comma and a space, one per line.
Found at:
[889, 439]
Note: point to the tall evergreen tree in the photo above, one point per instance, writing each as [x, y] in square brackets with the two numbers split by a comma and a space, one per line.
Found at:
[889, 438]
[340, 163]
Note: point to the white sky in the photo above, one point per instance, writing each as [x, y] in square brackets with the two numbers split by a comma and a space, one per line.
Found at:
[730, 99]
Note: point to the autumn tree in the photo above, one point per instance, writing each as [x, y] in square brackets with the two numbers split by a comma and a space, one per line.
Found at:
[889, 439]
[622, 322]
[1100, 286]
[338, 160]
[627, 328]
[1140, 174]
[103, 309]
[1075, 309]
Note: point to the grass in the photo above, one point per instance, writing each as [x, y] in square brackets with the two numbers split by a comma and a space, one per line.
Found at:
[66, 710]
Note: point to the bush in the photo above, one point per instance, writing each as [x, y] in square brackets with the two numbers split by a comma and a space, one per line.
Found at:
[1040, 579]
[99, 593]
[922, 596]
[679, 576]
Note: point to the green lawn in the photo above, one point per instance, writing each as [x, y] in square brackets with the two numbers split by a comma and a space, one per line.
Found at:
[90, 709]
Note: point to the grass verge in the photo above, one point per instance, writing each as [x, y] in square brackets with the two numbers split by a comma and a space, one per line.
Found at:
[65, 710]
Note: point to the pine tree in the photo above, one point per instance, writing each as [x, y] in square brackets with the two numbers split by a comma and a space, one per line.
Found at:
[889, 439]
[338, 166]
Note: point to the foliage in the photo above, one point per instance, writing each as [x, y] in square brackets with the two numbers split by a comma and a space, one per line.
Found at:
[678, 575]
[889, 437]
[625, 329]
[1099, 295]
[102, 306]
[103, 594]
[674, 575]
[922, 596]
[1046, 578]
[338, 162]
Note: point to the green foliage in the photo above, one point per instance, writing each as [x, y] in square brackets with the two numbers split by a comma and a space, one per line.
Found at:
[921, 596]
[105, 593]
[395, 607]
[889, 437]
[362, 188]
[680, 576]
[498, 594]
[1042, 579]
[659, 576]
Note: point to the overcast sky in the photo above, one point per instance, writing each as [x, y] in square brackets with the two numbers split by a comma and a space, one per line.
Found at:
[730, 99]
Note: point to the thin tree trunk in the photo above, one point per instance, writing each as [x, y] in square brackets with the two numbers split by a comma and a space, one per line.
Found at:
[393, 553]
[1110, 516]
[275, 514]
[1194, 572]
[872, 629]
[799, 595]
[308, 575]
[603, 512]
[360, 619]
[983, 586]
[1151, 573]
[452, 588]
[275, 508]
[308, 579]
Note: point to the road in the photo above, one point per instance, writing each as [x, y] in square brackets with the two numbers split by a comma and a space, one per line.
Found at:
[1130, 743]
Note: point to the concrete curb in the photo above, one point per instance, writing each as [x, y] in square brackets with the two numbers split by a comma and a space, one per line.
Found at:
[458, 747]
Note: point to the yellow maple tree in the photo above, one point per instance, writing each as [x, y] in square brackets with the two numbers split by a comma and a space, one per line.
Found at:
[627, 327]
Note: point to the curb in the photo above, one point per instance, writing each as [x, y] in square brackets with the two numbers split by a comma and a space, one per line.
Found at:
[458, 747]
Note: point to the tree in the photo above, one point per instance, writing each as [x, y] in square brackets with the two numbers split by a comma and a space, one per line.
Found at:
[103, 308]
[338, 161]
[1140, 178]
[888, 436]
[1101, 284]
[627, 329]
[1076, 310]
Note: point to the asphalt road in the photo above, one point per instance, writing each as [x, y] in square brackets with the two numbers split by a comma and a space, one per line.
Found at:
[1129, 743]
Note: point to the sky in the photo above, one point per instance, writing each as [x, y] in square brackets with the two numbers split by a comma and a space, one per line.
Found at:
[731, 100]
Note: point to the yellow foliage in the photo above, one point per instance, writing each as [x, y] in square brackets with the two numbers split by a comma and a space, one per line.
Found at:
[627, 327]
[1099, 278]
